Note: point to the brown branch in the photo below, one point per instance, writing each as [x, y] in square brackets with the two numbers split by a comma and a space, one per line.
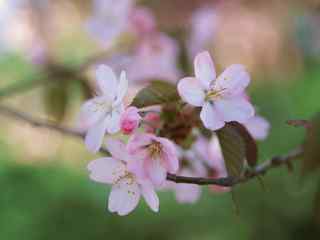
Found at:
[277, 161]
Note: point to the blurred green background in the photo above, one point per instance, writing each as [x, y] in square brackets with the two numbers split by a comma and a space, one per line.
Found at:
[46, 192]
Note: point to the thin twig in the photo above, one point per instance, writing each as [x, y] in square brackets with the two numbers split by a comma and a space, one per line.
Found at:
[259, 170]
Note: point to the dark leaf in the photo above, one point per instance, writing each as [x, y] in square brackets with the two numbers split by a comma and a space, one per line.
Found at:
[251, 146]
[233, 149]
[311, 160]
[158, 92]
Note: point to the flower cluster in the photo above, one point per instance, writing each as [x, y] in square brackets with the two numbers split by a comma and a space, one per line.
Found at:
[140, 161]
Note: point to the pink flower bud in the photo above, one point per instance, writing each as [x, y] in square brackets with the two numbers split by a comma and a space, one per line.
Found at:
[154, 122]
[130, 120]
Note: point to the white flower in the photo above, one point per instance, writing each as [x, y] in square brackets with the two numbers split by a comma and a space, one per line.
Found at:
[102, 113]
[222, 99]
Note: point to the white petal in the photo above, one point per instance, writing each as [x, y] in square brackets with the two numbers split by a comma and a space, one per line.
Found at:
[90, 113]
[95, 135]
[235, 109]
[258, 127]
[233, 80]
[106, 170]
[122, 88]
[117, 149]
[107, 81]
[114, 122]
[124, 196]
[210, 117]
[191, 92]
[150, 196]
[204, 69]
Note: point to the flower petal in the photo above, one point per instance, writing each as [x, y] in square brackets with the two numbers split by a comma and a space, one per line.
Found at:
[170, 155]
[204, 69]
[150, 196]
[156, 171]
[95, 135]
[233, 80]
[117, 149]
[210, 117]
[106, 170]
[114, 121]
[122, 88]
[235, 109]
[107, 81]
[258, 127]
[124, 196]
[89, 113]
[191, 92]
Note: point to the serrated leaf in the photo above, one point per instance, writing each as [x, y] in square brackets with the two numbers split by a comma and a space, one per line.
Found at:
[311, 160]
[233, 149]
[251, 146]
[157, 92]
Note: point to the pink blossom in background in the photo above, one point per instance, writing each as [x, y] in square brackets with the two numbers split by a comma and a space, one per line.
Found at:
[129, 120]
[142, 21]
[258, 127]
[109, 20]
[152, 120]
[155, 58]
[222, 99]
[102, 113]
[126, 187]
[204, 24]
[154, 157]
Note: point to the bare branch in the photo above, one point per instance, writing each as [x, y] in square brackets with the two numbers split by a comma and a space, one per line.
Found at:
[259, 170]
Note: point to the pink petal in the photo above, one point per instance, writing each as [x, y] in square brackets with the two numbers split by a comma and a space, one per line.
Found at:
[95, 135]
[258, 127]
[124, 197]
[117, 149]
[233, 80]
[107, 81]
[138, 141]
[106, 170]
[210, 117]
[191, 92]
[150, 196]
[235, 109]
[156, 171]
[204, 69]
[170, 155]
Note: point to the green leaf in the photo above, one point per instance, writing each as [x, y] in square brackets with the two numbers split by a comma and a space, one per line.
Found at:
[157, 92]
[233, 149]
[311, 160]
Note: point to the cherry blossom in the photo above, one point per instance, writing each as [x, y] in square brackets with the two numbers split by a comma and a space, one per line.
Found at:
[127, 188]
[155, 156]
[102, 113]
[258, 127]
[222, 99]
[129, 120]
[109, 20]
[142, 21]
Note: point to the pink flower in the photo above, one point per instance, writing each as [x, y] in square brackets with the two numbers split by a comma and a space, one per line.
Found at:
[109, 20]
[142, 21]
[102, 113]
[126, 187]
[258, 127]
[187, 193]
[130, 120]
[156, 58]
[204, 25]
[154, 157]
[222, 99]
[153, 122]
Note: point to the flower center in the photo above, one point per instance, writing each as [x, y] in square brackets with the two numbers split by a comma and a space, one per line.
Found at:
[214, 94]
[102, 106]
[155, 149]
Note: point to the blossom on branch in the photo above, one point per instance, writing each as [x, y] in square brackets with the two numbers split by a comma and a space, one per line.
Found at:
[127, 188]
[102, 113]
[222, 99]
[129, 120]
